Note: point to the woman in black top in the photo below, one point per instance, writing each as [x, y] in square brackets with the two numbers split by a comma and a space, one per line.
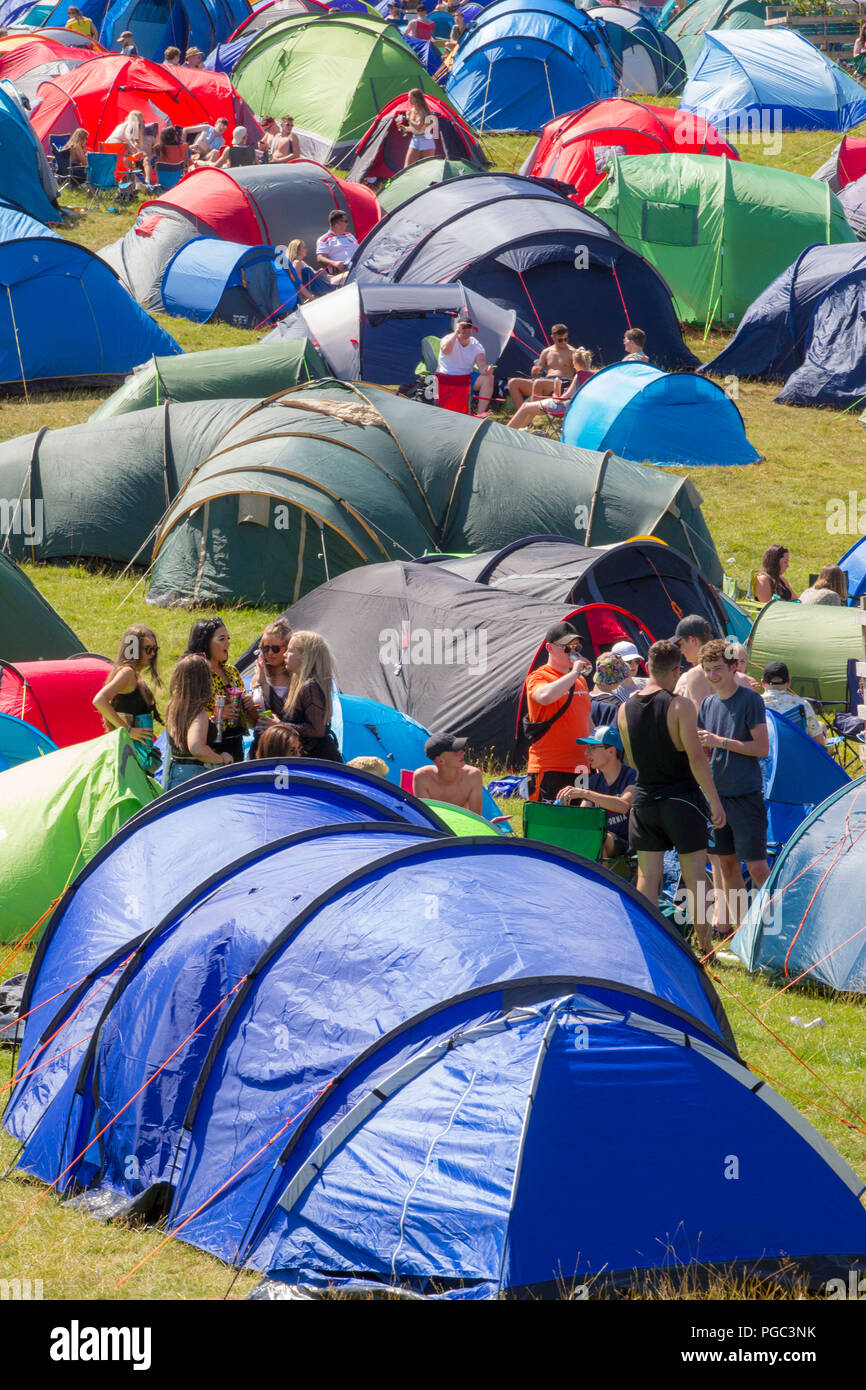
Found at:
[308, 705]
[125, 701]
[770, 581]
[231, 710]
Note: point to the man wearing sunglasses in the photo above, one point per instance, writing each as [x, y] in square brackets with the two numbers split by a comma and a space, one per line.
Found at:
[557, 694]
[554, 365]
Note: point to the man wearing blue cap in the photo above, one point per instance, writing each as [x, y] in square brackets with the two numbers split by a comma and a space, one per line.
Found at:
[609, 785]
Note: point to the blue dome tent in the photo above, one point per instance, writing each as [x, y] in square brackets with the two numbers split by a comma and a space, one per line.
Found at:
[655, 417]
[223, 280]
[19, 742]
[763, 76]
[853, 562]
[807, 330]
[517, 241]
[26, 181]
[524, 64]
[797, 774]
[154, 24]
[795, 927]
[65, 318]
[645, 59]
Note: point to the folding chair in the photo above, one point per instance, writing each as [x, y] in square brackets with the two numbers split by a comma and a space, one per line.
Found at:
[454, 392]
[845, 747]
[101, 182]
[168, 175]
[62, 170]
[578, 828]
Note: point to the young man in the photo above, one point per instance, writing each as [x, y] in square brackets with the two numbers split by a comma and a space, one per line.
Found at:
[634, 342]
[674, 785]
[335, 249]
[732, 723]
[80, 23]
[610, 785]
[558, 689]
[239, 154]
[691, 635]
[632, 658]
[449, 777]
[210, 140]
[420, 27]
[286, 145]
[127, 44]
[555, 363]
[778, 696]
[462, 354]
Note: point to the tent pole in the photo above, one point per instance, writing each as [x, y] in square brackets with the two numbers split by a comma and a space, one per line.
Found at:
[18, 345]
[599, 478]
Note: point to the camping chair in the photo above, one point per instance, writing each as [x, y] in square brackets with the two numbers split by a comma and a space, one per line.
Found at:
[62, 170]
[127, 173]
[168, 175]
[580, 829]
[454, 392]
[101, 181]
[845, 747]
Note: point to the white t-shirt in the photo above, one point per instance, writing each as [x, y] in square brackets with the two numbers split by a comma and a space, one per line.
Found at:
[338, 248]
[460, 361]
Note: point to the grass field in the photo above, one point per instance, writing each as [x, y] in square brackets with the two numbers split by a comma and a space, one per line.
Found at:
[809, 455]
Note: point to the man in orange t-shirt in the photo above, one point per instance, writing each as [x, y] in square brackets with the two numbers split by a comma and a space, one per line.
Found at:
[556, 756]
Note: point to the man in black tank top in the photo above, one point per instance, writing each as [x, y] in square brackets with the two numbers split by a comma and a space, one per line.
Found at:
[674, 785]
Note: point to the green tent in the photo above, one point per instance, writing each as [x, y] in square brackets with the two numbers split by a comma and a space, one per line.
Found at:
[335, 476]
[461, 821]
[30, 630]
[55, 813]
[254, 370]
[815, 642]
[333, 73]
[718, 230]
[687, 29]
[420, 176]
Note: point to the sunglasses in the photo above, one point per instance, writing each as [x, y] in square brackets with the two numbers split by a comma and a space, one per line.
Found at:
[150, 651]
[267, 647]
[573, 647]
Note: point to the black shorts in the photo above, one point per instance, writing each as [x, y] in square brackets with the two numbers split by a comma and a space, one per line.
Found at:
[552, 784]
[744, 833]
[679, 822]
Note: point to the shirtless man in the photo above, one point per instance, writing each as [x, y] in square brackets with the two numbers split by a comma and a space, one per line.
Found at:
[448, 778]
[286, 145]
[555, 362]
[691, 634]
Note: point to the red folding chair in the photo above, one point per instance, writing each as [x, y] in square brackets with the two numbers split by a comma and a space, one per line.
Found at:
[454, 392]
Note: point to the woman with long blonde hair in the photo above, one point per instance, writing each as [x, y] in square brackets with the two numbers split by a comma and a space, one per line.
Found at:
[309, 705]
[187, 722]
[125, 701]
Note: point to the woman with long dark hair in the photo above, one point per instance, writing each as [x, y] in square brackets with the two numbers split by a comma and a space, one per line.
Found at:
[770, 581]
[231, 711]
[187, 723]
[125, 701]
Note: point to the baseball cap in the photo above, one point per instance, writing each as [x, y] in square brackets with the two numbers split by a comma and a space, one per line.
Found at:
[444, 743]
[627, 650]
[776, 673]
[562, 632]
[605, 736]
[693, 626]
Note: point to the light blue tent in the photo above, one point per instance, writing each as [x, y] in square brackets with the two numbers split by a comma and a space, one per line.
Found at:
[808, 921]
[523, 64]
[208, 279]
[19, 742]
[738, 624]
[853, 562]
[797, 774]
[772, 80]
[155, 24]
[656, 417]
[26, 181]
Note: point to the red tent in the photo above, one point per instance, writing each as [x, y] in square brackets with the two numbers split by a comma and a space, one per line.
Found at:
[382, 151]
[56, 697]
[20, 53]
[851, 159]
[215, 92]
[100, 94]
[577, 148]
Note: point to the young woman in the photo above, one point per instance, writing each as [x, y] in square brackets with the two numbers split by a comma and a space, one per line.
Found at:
[187, 723]
[308, 704]
[169, 147]
[231, 711]
[131, 134]
[77, 147]
[423, 127]
[280, 741]
[555, 406]
[770, 581]
[270, 683]
[830, 588]
[296, 257]
[125, 701]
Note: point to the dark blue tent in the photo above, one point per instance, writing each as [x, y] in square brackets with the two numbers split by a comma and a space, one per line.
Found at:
[19, 742]
[154, 24]
[26, 181]
[208, 279]
[525, 64]
[656, 417]
[797, 774]
[798, 925]
[65, 318]
[853, 562]
[807, 329]
[520, 243]
[645, 59]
